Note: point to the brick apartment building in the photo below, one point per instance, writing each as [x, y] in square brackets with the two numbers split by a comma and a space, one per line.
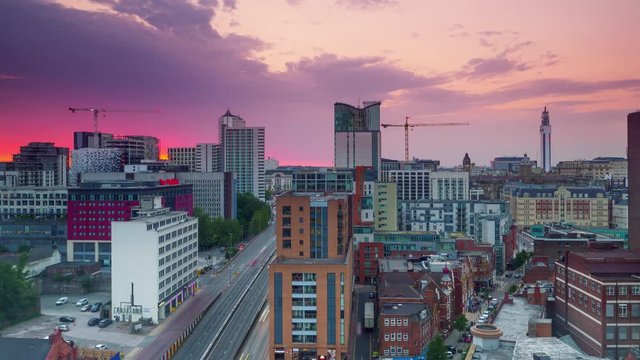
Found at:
[598, 301]
[310, 279]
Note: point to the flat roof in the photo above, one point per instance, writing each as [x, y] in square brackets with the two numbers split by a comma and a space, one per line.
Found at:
[402, 308]
[513, 319]
[551, 346]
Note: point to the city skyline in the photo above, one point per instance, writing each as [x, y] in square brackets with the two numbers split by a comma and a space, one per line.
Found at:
[443, 63]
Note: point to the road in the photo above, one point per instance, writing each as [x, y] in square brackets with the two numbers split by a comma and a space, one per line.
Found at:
[365, 342]
[256, 344]
[225, 287]
[236, 278]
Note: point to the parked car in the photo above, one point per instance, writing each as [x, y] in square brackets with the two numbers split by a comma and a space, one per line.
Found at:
[451, 348]
[105, 322]
[481, 321]
[67, 319]
[467, 338]
[517, 275]
[486, 313]
[62, 301]
[102, 346]
[372, 295]
[63, 327]
[507, 275]
[93, 321]
[96, 307]
[449, 355]
[86, 308]
[222, 249]
[82, 302]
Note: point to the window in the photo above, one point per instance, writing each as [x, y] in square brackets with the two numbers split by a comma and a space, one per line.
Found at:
[622, 290]
[635, 333]
[635, 310]
[286, 244]
[393, 321]
[405, 337]
[386, 322]
[635, 290]
[622, 310]
[610, 332]
[622, 333]
[393, 336]
[386, 336]
[610, 290]
[405, 322]
[609, 311]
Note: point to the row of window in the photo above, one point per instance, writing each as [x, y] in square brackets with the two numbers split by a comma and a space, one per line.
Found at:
[396, 336]
[623, 332]
[396, 350]
[394, 321]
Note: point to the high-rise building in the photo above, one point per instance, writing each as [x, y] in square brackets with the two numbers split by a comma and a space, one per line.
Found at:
[633, 156]
[430, 185]
[183, 156]
[357, 136]
[169, 241]
[545, 141]
[310, 280]
[39, 164]
[244, 156]
[208, 158]
[228, 120]
[135, 147]
[85, 139]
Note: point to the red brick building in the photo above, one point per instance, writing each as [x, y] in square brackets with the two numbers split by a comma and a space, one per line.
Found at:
[481, 259]
[404, 329]
[54, 348]
[598, 301]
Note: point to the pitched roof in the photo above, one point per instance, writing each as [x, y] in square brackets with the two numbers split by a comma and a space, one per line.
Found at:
[537, 273]
[24, 349]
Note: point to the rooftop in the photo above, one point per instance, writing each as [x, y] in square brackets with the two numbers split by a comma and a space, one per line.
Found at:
[308, 261]
[513, 319]
[24, 349]
[402, 308]
[554, 347]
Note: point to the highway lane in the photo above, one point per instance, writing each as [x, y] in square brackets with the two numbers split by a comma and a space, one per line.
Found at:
[256, 344]
[239, 324]
[236, 277]
[229, 281]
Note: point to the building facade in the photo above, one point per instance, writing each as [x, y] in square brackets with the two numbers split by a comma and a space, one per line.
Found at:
[33, 202]
[208, 158]
[310, 278]
[39, 164]
[600, 168]
[356, 136]
[169, 242]
[93, 206]
[598, 301]
[135, 148]
[183, 156]
[90, 160]
[545, 141]
[244, 156]
[633, 151]
[385, 206]
[545, 204]
[429, 185]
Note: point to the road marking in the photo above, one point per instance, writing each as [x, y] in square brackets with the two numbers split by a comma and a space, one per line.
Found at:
[265, 312]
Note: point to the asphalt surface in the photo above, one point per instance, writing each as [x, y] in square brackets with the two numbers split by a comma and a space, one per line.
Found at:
[256, 344]
[232, 283]
[365, 341]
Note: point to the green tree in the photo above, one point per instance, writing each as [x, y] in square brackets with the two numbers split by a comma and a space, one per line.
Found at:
[17, 297]
[253, 214]
[206, 235]
[513, 288]
[437, 349]
[521, 258]
[460, 323]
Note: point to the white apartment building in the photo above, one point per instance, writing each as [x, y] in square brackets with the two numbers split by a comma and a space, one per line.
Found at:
[429, 185]
[183, 156]
[244, 156]
[207, 157]
[156, 254]
[35, 201]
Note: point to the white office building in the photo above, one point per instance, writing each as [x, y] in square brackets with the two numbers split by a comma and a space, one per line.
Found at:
[183, 156]
[208, 157]
[33, 201]
[155, 257]
[429, 185]
[244, 156]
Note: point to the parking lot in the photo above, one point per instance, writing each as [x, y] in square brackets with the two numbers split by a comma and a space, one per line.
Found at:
[116, 336]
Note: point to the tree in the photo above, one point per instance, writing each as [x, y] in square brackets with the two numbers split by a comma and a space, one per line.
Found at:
[522, 257]
[513, 288]
[437, 350]
[460, 323]
[253, 214]
[206, 236]
[17, 297]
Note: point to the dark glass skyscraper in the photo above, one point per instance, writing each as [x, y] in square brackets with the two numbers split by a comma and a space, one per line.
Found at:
[357, 136]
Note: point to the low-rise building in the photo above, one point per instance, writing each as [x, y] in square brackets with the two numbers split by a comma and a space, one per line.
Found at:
[165, 244]
[598, 301]
[34, 202]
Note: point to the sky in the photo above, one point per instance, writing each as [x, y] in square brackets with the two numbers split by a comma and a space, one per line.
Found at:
[281, 64]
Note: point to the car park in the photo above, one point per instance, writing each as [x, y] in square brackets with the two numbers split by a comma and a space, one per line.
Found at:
[63, 327]
[67, 319]
[86, 308]
[102, 346]
[93, 321]
[105, 322]
[96, 307]
[82, 302]
[62, 301]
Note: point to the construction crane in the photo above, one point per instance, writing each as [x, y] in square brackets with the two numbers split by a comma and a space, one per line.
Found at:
[96, 112]
[407, 125]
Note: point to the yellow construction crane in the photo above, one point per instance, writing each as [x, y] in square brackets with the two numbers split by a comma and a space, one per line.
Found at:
[407, 125]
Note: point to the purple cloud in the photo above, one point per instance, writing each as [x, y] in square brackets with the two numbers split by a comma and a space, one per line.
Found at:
[366, 4]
